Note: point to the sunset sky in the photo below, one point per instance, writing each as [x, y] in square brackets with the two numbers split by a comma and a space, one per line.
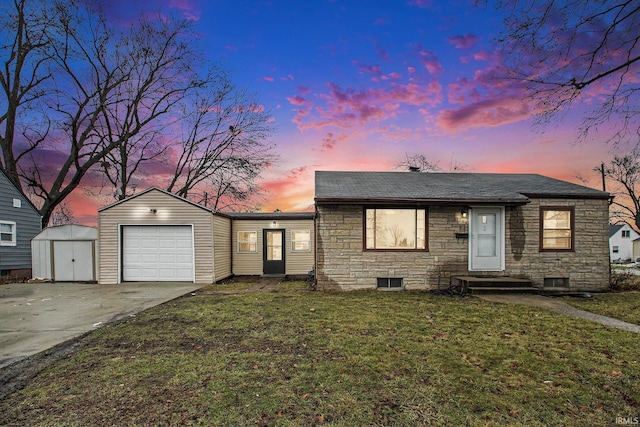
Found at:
[355, 85]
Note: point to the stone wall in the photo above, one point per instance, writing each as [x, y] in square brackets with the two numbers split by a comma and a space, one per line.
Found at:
[343, 264]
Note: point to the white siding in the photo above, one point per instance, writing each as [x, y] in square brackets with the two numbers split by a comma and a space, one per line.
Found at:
[624, 244]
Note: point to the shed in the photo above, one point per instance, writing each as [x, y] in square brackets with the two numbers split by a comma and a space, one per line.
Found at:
[65, 253]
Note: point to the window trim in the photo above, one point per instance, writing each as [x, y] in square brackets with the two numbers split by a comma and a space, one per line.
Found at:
[293, 242]
[626, 234]
[14, 234]
[426, 229]
[239, 241]
[571, 210]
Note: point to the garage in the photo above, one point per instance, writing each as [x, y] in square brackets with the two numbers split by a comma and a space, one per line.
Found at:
[157, 253]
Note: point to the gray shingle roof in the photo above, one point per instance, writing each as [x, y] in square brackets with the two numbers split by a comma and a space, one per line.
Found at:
[340, 187]
[613, 228]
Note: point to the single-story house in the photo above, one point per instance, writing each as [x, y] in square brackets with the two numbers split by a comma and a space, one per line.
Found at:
[621, 238]
[19, 222]
[373, 230]
[158, 236]
[418, 230]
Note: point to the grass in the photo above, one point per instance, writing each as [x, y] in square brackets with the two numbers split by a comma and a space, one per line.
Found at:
[620, 305]
[295, 357]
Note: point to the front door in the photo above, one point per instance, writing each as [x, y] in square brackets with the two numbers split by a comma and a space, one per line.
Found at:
[486, 243]
[273, 251]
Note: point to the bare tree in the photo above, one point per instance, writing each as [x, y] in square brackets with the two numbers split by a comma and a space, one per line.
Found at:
[563, 52]
[24, 43]
[223, 148]
[101, 86]
[624, 171]
[420, 163]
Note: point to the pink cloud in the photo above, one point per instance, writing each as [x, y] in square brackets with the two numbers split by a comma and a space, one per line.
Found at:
[462, 91]
[465, 41]
[187, 7]
[430, 62]
[347, 107]
[487, 112]
[268, 78]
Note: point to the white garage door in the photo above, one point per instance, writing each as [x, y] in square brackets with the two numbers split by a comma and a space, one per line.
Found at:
[157, 253]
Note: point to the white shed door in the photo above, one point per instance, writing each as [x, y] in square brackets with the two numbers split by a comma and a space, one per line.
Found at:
[157, 253]
[72, 261]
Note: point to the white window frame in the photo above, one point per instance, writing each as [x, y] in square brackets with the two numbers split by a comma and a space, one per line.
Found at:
[253, 242]
[307, 241]
[14, 234]
[626, 234]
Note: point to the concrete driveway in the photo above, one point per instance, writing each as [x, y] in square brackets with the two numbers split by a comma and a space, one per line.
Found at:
[37, 316]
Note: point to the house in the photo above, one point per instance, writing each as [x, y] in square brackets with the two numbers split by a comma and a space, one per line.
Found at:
[158, 236]
[373, 230]
[621, 242]
[19, 222]
[414, 230]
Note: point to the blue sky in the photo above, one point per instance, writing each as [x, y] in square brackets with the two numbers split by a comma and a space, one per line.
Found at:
[356, 85]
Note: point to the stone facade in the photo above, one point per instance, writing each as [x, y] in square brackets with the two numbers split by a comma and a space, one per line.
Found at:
[342, 263]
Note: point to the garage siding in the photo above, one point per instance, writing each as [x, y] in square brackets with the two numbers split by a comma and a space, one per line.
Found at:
[222, 247]
[170, 210]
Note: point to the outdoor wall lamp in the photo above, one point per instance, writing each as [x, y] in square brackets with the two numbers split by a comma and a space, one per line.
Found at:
[274, 224]
[153, 211]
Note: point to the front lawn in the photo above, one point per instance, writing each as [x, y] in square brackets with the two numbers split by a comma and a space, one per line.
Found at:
[621, 305]
[295, 357]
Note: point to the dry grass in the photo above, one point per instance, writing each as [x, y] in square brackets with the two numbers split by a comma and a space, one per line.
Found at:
[293, 357]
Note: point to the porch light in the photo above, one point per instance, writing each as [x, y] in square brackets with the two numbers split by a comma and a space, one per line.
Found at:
[153, 211]
[464, 214]
[274, 224]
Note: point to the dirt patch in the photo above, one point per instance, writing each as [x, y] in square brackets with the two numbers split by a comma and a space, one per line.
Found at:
[17, 375]
[560, 307]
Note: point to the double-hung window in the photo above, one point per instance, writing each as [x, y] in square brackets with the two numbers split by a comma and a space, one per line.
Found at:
[395, 229]
[7, 233]
[556, 228]
[247, 241]
[300, 240]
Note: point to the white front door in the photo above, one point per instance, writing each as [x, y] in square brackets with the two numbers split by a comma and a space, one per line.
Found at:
[486, 239]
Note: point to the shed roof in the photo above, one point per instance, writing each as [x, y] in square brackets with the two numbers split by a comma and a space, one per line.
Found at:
[68, 232]
[412, 187]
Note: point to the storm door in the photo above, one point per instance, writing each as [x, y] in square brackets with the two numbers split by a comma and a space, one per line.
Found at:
[486, 239]
[273, 251]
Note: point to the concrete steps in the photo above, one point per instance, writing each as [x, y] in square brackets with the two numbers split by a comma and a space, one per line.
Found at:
[475, 285]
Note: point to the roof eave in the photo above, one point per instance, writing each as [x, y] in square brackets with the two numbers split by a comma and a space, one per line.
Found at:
[420, 202]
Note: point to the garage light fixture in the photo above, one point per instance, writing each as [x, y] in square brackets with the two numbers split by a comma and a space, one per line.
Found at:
[153, 211]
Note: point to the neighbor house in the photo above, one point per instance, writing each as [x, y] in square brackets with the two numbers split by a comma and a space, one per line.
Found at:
[158, 236]
[413, 230]
[19, 222]
[621, 238]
